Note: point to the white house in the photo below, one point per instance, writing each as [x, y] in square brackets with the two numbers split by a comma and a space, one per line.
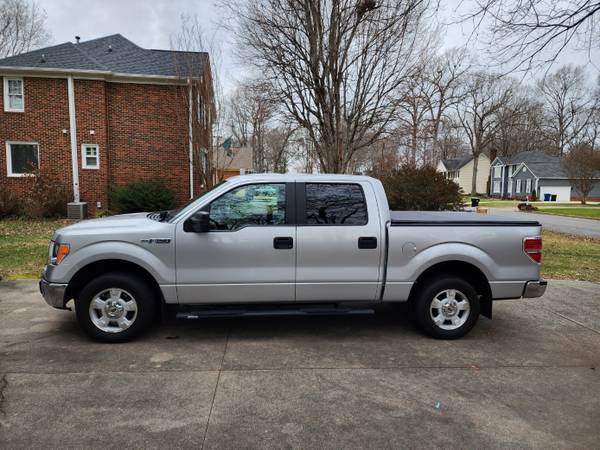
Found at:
[460, 170]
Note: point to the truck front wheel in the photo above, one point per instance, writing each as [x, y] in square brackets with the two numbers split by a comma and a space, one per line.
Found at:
[446, 308]
[115, 307]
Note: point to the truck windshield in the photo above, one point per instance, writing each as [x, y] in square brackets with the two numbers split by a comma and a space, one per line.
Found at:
[177, 213]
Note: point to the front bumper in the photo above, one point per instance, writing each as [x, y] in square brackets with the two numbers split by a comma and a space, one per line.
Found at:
[535, 288]
[53, 293]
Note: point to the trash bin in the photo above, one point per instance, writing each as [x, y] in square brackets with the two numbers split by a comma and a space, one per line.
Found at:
[553, 199]
[474, 202]
[547, 197]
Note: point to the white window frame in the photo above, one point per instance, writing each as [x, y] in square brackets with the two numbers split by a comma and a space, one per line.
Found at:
[84, 164]
[497, 172]
[518, 187]
[9, 171]
[496, 187]
[7, 107]
[528, 185]
[199, 108]
[510, 183]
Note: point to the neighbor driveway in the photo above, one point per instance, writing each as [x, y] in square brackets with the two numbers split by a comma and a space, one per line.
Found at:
[571, 225]
[528, 378]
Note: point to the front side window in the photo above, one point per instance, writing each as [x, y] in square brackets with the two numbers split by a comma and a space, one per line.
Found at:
[496, 187]
[497, 172]
[13, 95]
[518, 187]
[22, 158]
[249, 205]
[90, 156]
[528, 186]
[335, 204]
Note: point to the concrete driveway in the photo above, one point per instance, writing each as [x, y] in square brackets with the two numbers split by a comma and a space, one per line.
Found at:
[529, 378]
[571, 225]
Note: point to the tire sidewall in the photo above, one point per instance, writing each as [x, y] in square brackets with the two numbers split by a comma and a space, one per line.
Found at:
[425, 297]
[142, 293]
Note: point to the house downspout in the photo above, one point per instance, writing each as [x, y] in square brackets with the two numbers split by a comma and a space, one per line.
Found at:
[191, 140]
[73, 136]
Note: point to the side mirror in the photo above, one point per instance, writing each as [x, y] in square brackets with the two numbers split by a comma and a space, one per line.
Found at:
[198, 223]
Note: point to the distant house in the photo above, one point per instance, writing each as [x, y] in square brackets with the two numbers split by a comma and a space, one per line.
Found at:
[235, 161]
[460, 170]
[104, 112]
[533, 172]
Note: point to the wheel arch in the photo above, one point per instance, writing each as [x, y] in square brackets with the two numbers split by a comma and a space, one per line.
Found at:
[94, 269]
[461, 269]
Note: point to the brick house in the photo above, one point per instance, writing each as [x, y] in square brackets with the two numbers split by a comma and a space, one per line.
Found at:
[102, 112]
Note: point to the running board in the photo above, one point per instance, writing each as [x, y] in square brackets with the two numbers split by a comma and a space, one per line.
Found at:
[273, 312]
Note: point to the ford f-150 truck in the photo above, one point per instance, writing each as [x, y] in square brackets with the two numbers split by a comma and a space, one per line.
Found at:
[290, 244]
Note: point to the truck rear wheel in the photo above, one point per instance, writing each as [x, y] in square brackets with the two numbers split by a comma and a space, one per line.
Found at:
[115, 307]
[446, 308]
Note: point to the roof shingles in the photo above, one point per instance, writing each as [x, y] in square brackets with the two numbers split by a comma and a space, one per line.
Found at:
[114, 54]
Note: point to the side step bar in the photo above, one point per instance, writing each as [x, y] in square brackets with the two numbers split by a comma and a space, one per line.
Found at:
[263, 312]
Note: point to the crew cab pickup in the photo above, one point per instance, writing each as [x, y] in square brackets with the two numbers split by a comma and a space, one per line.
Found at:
[290, 244]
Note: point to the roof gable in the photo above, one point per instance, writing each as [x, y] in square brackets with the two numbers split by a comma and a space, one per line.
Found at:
[457, 163]
[112, 54]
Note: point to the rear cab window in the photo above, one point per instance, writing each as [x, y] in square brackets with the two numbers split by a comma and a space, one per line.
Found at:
[335, 204]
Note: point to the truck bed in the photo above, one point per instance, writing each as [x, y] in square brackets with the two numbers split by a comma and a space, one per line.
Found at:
[453, 218]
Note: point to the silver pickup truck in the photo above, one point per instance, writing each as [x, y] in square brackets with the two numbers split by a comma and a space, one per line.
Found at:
[290, 244]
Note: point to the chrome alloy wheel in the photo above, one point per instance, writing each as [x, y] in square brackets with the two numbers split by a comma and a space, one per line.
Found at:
[113, 310]
[449, 309]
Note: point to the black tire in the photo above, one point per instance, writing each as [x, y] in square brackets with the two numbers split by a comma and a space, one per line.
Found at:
[423, 313]
[134, 286]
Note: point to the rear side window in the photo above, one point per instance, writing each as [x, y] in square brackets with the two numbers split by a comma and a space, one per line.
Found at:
[335, 204]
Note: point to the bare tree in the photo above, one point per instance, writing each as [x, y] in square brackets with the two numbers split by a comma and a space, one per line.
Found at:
[567, 105]
[22, 27]
[526, 33]
[203, 99]
[334, 64]
[280, 147]
[252, 108]
[445, 74]
[484, 95]
[582, 165]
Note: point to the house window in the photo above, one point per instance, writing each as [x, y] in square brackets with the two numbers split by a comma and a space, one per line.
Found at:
[510, 170]
[528, 186]
[496, 187]
[22, 158]
[14, 99]
[90, 156]
[497, 172]
[510, 186]
[518, 187]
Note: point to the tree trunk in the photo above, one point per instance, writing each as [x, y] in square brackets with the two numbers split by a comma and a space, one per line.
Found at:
[474, 180]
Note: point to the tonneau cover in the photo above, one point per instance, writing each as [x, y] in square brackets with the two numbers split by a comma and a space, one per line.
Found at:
[454, 218]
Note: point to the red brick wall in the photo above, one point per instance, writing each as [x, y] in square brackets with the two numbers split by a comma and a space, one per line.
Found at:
[46, 115]
[148, 135]
[141, 130]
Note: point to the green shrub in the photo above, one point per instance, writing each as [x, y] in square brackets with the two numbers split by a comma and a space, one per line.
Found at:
[139, 196]
[422, 189]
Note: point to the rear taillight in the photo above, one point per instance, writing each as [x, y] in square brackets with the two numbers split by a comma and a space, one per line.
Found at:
[533, 247]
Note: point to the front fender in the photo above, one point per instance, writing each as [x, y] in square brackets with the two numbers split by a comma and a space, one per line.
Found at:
[159, 262]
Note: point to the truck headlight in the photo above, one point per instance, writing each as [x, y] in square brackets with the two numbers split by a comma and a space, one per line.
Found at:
[58, 252]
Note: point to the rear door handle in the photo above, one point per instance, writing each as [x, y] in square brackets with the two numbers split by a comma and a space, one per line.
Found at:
[283, 243]
[367, 242]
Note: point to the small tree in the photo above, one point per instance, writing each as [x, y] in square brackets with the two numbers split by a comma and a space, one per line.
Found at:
[582, 165]
[424, 189]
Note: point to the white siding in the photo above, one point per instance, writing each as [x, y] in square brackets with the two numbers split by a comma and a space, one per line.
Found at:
[563, 193]
[483, 173]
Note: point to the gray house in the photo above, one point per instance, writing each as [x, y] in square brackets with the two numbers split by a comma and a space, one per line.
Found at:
[527, 173]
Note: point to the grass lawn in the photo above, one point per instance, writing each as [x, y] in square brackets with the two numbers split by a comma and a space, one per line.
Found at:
[24, 246]
[24, 250]
[590, 212]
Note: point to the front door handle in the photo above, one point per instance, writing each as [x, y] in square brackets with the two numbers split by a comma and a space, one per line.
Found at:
[283, 243]
[367, 242]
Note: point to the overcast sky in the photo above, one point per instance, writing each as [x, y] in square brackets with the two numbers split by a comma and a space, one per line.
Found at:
[151, 23]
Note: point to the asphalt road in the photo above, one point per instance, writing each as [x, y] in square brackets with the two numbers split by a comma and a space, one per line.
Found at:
[571, 225]
[529, 378]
